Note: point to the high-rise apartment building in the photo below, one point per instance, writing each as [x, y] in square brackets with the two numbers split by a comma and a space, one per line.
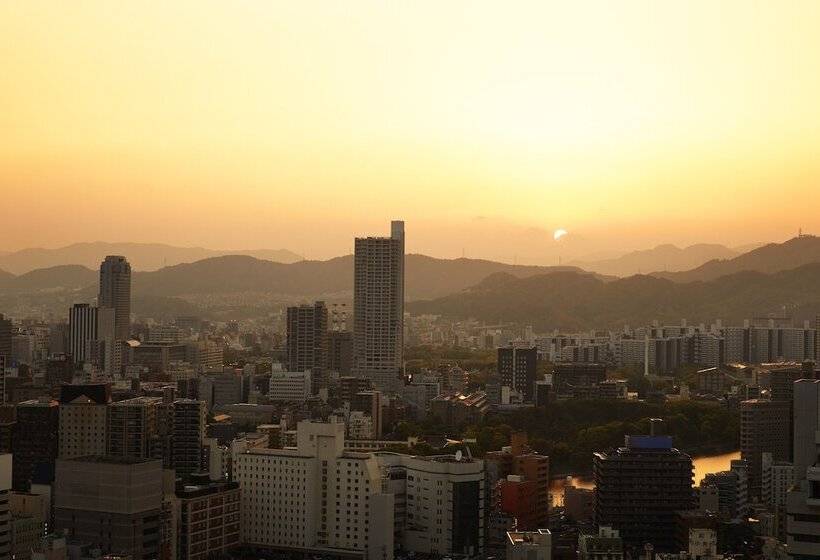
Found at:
[35, 439]
[307, 341]
[764, 428]
[340, 352]
[115, 293]
[82, 329]
[803, 500]
[131, 428]
[378, 308]
[639, 489]
[806, 426]
[5, 513]
[5, 337]
[91, 336]
[83, 411]
[188, 419]
[517, 369]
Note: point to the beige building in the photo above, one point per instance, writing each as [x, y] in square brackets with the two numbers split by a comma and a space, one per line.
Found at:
[83, 411]
[378, 314]
[317, 497]
[439, 502]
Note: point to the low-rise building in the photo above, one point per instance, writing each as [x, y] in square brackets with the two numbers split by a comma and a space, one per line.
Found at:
[290, 386]
[529, 545]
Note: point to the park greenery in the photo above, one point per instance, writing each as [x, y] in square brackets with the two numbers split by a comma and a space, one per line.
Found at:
[571, 431]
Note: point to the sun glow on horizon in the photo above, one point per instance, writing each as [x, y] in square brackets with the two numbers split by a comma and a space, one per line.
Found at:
[264, 119]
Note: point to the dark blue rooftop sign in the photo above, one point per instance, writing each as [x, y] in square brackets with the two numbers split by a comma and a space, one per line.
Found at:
[649, 442]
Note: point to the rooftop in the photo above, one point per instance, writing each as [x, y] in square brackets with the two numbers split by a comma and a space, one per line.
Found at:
[110, 460]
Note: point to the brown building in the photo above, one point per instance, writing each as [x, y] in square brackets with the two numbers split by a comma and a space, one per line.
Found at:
[132, 429]
[349, 386]
[35, 439]
[113, 502]
[458, 409]
[520, 461]
[340, 352]
[208, 521]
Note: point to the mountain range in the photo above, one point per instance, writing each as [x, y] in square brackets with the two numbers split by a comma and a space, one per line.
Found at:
[572, 301]
[425, 277]
[142, 256]
[660, 258]
[758, 282]
[770, 258]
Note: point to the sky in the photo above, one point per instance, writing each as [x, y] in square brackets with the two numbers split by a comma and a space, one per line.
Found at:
[484, 125]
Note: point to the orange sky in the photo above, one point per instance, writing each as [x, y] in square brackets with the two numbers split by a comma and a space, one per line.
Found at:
[484, 125]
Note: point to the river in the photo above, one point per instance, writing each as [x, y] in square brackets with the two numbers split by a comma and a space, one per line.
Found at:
[703, 466]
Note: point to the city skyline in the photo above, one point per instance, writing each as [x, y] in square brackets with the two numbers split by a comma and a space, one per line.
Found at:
[483, 127]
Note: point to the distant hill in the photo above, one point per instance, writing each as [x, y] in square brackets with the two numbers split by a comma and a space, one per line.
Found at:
[142, 256]
[770, 258]
[5, 276]
[570, 301]
[425, 277]
[62, 277]
[661, 258]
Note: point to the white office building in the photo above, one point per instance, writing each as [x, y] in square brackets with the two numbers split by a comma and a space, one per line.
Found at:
[315, 498]
[289, 386]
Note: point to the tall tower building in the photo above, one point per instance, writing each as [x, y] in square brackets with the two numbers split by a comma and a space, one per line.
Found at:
[802, 509]
[378, 308]
[764, 428]
[188, 418]
[35, 439]
[91, 335]
[115, 292]
[307, 341]
[639, 489]
[82, 329]
[5, 337]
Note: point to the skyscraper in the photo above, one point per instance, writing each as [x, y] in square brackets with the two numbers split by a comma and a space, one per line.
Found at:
[91, 335]
[5, 337]
[764, 428]
[378, 308]
[115, 292]
[307, 340]
[639, 489]
[82, 329]
[802, 509]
